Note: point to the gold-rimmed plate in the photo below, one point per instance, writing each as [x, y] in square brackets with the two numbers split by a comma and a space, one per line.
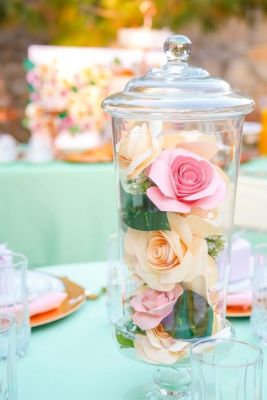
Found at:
[238, 311]
[76, 297]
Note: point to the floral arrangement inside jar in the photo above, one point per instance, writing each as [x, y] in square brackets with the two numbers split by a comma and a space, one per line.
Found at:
[171, 189]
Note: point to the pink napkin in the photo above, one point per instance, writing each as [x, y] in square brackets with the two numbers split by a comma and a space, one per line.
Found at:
[47, 302]
[240, 299]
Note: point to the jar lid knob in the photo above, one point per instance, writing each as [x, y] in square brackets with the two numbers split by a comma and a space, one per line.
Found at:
[177, 48]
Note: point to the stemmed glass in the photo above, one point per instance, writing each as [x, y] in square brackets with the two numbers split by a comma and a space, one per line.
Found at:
[8, 382]
[258, 317]
[13, 295]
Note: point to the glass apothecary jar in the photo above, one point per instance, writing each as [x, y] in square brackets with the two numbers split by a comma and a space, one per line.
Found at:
[177, 133]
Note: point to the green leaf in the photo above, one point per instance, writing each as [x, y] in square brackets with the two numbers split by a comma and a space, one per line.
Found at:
[125, 335]
[124, 340]
[138, 212]
[192, 317]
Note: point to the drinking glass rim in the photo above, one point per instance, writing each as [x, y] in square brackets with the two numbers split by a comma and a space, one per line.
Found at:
[11, 325]
[23, 259]
[240, 365]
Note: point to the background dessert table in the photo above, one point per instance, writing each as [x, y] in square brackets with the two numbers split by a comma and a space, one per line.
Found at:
[61, 213]
[76, 358]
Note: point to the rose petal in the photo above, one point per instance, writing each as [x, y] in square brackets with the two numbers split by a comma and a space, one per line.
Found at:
[158, 172]
[179, 225]
[214, 200]
[148, 321]
[202, 227]
[166, 203]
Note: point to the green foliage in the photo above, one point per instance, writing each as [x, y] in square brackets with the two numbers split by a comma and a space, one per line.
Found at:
[125, 337]
[124, 341]
[192, 317]
[215, 245]
[140, 213]
[95, 22]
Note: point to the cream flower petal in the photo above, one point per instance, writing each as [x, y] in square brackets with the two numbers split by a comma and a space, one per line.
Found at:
[130, 240]
[201, 144]
[179, 225]
[222, 174]
[174, 241]
[192, 265]
[145, 164]
[137, 149]
[139, 160]
[202, 227]
[201, 284]
[181, 272]
[153, 349]
[153, 280]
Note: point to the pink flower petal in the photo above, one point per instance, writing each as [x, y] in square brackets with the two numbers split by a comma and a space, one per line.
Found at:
[213, 200]
[207, 191]
[156, 304]
[146, 321]
[159, 174]
[166, 203]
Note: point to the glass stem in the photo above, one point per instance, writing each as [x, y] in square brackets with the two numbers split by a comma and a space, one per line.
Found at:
[173, 383]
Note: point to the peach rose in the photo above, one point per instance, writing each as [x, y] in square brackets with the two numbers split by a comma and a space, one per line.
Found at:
[152, 306]
[202, 144]
[137, 149]
[184, 180]
[158, 347]
[164, 258]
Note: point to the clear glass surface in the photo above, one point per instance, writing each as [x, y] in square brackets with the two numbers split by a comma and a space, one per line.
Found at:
[173, 265]
[177, 90]
[259, 306]
[226, 369]
[13, 296]
[8, 378]
[176, 134]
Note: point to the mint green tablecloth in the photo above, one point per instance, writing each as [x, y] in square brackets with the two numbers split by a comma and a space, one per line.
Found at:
[76, 358]
[57, 213]
[61, 213]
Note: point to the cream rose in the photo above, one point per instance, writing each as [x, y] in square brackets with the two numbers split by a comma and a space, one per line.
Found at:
[137, 149]
[202, 144]
[164, 258]
[158, 347]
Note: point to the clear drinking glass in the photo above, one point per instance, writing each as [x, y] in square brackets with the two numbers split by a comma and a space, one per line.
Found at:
[13, 295]
[259, 307]
[114, 303]
[226, 369]
[8, 382]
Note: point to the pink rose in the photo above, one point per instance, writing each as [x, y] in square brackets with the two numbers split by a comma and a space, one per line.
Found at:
[184, 180]
[152, 306]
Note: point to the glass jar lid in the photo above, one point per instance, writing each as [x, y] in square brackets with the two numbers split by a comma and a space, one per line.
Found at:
[177, 91]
